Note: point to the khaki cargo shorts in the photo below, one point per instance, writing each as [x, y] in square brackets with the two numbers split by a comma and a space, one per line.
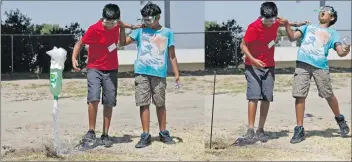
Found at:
[150, 88]
[302, 76]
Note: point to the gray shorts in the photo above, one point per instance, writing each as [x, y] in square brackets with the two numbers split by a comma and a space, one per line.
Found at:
[150, 87]
[260, 83]
[106, 80]
[302, 76]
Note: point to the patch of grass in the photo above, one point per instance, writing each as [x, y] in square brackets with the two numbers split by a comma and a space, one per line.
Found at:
[42, 156]
[231, 85]
[191, 79]
[341, 75]
[74, 90]
[9, 84]
[35, 86]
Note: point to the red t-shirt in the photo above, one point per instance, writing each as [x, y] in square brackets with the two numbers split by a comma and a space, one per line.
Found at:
[258, 38]
[102, 51]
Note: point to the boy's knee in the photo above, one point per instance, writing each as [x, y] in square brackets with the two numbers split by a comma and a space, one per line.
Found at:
[160, 107]
[330, 98]
[300, 99]
[253, 100]
[94, 102]
[145, 107]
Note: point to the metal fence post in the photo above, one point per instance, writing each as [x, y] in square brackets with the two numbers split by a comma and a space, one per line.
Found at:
[11, 53]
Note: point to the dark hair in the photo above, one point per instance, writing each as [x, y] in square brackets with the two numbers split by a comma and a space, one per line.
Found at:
[333, 14]
[111, 12]
[268, 10]
[150, 9]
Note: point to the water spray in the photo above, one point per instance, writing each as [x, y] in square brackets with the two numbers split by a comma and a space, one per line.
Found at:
[58, 58]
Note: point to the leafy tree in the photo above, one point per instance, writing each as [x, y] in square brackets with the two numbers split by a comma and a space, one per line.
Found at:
[30, 51]
[222, 44]
[18, 23]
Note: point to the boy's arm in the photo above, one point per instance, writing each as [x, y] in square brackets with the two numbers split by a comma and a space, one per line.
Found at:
[250, 36]
[337, 46]
[124, 41]
[173, 60]
[292, 36]
[342, 51]
[122, 38]
[172, 56]
[76, 49]
[295, 24]
[89, 37]
[130, 26]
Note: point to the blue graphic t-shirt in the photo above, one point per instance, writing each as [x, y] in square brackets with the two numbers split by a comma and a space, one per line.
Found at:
[316, 42]
[153, 53]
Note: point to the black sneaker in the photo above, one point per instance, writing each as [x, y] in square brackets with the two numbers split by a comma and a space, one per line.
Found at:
[146, 140]
[165, 137]
[248, 138]
[89, 140]
[343, 125]
[261, 136]
[298, 135]
[105, 140]
[249, 134]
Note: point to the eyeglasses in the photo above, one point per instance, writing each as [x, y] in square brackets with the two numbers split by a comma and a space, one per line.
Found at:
[110, 23]
[148, 20]
[269, 20]
[326, 9]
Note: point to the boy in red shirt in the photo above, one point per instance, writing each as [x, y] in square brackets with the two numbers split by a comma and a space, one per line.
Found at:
[258, 46]
[102, 38]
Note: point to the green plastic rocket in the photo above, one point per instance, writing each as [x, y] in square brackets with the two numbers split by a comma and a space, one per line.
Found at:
[57, 63]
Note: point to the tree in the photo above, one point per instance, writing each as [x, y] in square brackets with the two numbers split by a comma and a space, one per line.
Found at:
[30, 51]
[18, 23]
[222, 44]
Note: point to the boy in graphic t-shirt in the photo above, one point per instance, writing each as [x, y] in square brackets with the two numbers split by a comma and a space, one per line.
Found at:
[155, 48]
[312, 61]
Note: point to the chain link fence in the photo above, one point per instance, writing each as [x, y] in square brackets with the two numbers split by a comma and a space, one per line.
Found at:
[22, 53]
[27, 53]
[222, 48]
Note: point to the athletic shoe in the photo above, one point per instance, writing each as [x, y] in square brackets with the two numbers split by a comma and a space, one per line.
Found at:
[248, 138]
[105, 140]
[261, 136]
[343, 125]
[249, 134]
[298, 135]
[165, 137]
[146, 140]
[89, 140]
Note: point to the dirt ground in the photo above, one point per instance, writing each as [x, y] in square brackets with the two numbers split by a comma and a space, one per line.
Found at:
[26, 128]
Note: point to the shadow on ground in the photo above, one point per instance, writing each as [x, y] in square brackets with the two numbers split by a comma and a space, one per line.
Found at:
[115, 140]
[277, 135]
[219, 144]
[327, 133]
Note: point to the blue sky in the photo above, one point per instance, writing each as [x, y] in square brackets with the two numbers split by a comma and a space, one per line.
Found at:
[288, 9]
[186, 16]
